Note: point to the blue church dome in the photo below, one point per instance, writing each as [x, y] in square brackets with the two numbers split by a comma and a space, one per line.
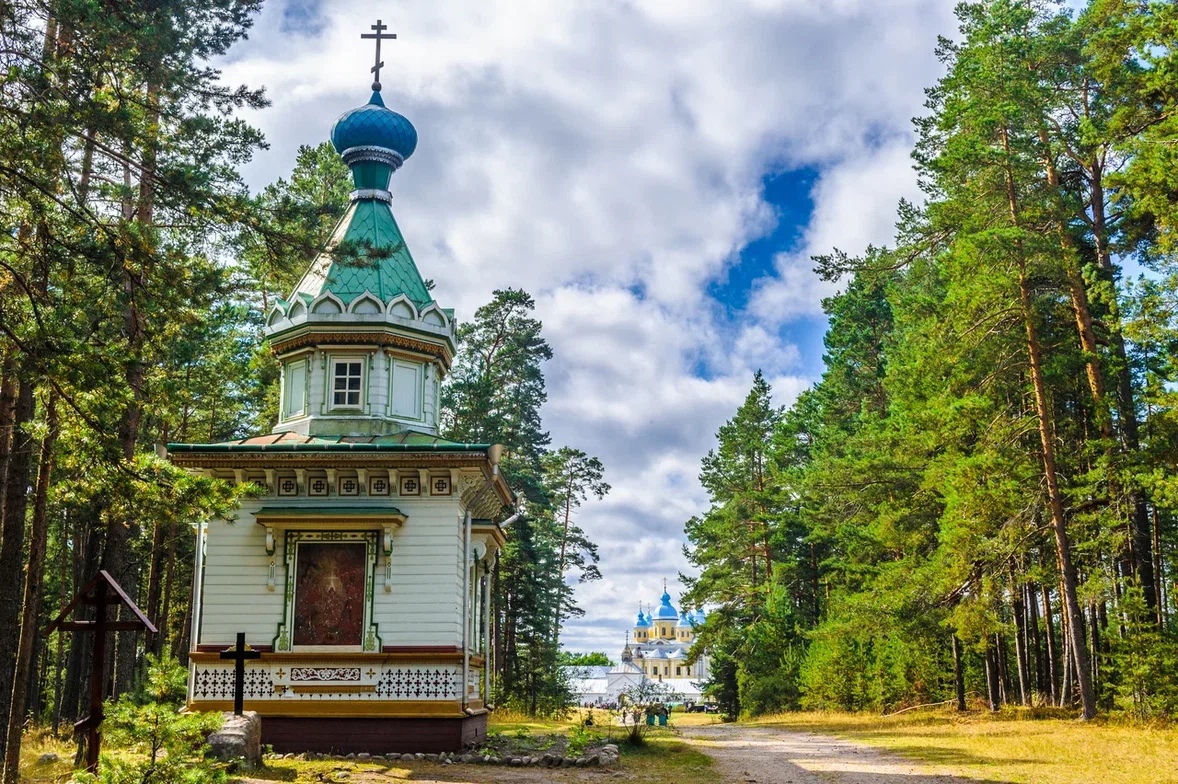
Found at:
[666, 612]
[643, 621]
[373, 125]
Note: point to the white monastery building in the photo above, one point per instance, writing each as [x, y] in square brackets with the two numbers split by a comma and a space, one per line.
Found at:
[662, 640]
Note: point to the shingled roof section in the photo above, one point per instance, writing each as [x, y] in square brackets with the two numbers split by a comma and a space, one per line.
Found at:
[373, 258]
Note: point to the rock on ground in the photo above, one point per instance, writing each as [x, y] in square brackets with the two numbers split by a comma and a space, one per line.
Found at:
[240, 737]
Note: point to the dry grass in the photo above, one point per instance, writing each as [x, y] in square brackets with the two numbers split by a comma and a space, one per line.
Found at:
[37, 744]
[1015, 746]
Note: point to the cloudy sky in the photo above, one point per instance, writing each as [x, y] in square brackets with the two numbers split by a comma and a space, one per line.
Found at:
[656, 174]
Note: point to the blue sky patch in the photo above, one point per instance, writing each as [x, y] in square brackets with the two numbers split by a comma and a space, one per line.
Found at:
[788, 193]
[303, 16]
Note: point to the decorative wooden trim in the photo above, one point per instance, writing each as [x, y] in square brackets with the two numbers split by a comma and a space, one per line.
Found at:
[390, 709]
[421, 649]
[447, 655]
[370, 634]
[333, 689]
[366, 339]
[309, 516]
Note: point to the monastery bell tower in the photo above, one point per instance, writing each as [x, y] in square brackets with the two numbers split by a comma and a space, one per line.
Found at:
[362, 343]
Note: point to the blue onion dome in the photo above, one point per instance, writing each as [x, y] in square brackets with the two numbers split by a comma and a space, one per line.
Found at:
[643, 622]
[686, 621]
[373, 125]
[666, 612]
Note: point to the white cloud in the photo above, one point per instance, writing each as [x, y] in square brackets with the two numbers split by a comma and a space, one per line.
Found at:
[608, 157]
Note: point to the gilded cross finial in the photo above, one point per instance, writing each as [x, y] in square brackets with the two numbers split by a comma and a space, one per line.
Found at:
[378, 36]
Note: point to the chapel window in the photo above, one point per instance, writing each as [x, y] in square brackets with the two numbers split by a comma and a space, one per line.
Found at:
[294, 389]
[347, 383]
[406, 390]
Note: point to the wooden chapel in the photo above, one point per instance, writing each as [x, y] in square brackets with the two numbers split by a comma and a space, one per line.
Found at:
[361, 574]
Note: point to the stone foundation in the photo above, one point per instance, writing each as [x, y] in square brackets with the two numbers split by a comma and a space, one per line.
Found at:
[373, 735]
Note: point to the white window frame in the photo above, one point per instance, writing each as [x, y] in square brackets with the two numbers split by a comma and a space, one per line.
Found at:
[331, 390]
[419, 392]
[287, 367]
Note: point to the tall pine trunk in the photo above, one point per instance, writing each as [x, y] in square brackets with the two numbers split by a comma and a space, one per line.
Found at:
[1140, 544]
[16, 501]
[1046, 423]
[1053, 659]
[958, 673]
[34, 573]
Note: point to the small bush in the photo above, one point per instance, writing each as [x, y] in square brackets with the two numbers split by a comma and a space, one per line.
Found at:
[153, 742]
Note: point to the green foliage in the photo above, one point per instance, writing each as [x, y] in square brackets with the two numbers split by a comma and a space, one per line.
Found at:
[581, 738]
[158, 744]
[493, 395]
[594, 659]
[986, 457]
[1144, 662]
[294, 220]
[636, 703]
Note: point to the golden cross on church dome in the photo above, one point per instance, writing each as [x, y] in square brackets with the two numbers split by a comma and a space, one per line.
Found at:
[379, 36]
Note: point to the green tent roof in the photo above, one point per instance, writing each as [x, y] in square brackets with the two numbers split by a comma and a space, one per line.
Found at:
[375, 258]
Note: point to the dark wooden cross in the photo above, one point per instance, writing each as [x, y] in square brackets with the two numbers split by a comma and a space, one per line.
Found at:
[100, 592]
[239, 653]
[379, 36]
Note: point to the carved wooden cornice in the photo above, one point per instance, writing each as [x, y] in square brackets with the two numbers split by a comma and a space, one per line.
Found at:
[378, 338]
[325, 459]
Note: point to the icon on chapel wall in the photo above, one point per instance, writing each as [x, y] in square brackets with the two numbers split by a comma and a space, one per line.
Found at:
[329, 594]
[317, 486]
[439, 485]
[378, 486]
[288, 486]
[410, 485]
[349, 486]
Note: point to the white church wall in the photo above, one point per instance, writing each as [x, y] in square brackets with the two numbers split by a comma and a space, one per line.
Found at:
[425, 603]
[422, 607]
[236, 596]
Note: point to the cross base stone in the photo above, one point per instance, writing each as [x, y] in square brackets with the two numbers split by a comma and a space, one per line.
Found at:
[240, 738]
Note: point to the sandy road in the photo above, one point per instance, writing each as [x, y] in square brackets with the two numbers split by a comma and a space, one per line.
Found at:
[771, 755]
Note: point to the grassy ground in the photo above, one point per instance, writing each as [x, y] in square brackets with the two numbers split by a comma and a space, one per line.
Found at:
[37, 745]
[1014, 746]
[664, 758]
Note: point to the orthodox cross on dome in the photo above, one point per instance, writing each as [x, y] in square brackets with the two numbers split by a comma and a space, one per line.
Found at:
[379, 36]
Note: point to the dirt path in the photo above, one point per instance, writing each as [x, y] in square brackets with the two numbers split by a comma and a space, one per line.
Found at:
[770, 755]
